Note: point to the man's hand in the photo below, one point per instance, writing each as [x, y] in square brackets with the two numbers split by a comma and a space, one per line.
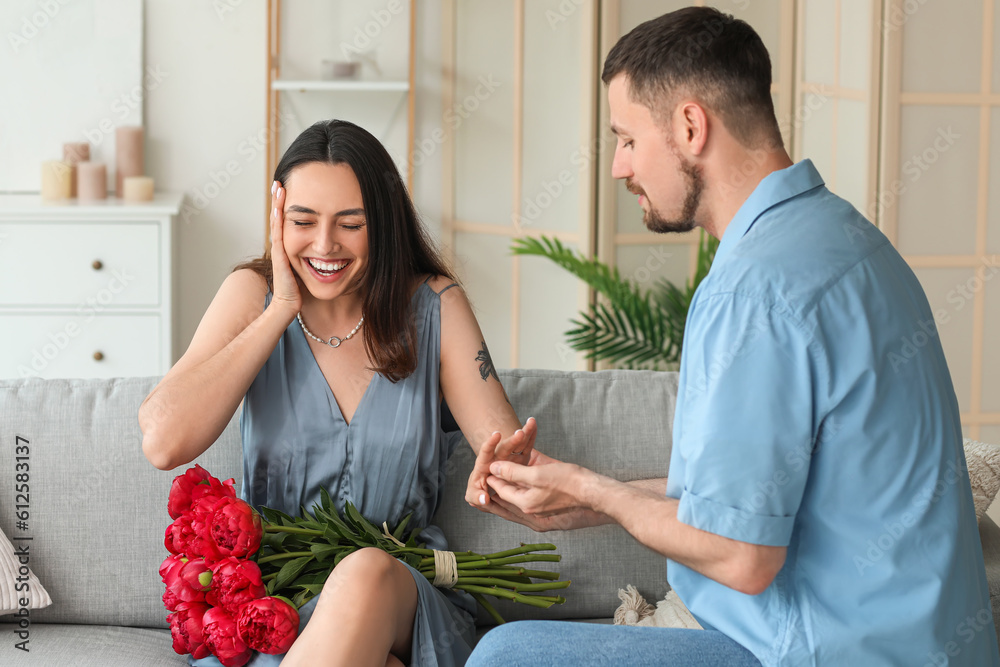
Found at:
[568, 520]
[519, 448]
[545, 488]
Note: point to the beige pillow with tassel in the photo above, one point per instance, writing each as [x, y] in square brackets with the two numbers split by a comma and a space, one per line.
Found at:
[10, 570]
[669, 612]
[984, 473]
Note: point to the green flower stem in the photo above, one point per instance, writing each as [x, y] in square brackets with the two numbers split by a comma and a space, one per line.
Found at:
[295, 530]
[470, 556]
[512, 585]
[504, 572]
[523, 549]
[540, 574]
[459, 558]
[430, 552]
[506, 584]
[529, 558]
[554, 599]
[288, 554]
[489, 608]
[542, 602]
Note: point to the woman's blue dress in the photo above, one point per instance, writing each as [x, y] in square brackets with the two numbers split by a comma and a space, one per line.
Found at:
[389, 461]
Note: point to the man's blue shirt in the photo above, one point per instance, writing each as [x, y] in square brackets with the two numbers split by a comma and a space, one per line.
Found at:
[816, 412]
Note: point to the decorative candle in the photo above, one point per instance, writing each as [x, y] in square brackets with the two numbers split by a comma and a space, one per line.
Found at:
[75, 153]
[128, 155]
[92, 180]
[138, 188]
[55, 180]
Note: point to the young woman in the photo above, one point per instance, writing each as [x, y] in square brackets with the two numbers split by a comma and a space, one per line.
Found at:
[341, 343]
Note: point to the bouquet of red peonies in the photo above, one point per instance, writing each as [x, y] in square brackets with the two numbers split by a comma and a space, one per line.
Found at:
[234, 582]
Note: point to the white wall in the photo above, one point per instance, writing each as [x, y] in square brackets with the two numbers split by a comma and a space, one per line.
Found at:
[208, 114]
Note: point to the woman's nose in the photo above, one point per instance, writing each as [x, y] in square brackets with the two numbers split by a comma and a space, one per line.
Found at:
[326, 242]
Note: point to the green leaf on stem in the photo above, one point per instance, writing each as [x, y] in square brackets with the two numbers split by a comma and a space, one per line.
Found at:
[299, 598]
[272, 516]
[331, 534]
[324, 551]
[315, 589]
[411, 542]
[398, 533]
[326, 501]
[289, 571]
[361, 522]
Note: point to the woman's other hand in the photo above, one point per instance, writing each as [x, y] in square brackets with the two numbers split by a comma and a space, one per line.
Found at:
[287, 290]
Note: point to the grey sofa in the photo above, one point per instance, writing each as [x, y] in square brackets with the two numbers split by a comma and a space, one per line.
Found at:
[98, 508]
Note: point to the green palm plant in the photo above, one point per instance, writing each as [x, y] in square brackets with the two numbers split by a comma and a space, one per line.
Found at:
[630, 327]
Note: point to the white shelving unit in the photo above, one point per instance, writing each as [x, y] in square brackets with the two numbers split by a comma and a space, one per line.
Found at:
[342, 86]
[377, 89]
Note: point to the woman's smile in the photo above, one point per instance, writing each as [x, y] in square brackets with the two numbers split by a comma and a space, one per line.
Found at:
[327, 271]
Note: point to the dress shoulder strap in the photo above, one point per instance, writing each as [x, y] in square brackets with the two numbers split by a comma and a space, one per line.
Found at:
[428, 278]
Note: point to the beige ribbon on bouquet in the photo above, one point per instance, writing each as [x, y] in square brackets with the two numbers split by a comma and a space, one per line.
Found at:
[445, 563]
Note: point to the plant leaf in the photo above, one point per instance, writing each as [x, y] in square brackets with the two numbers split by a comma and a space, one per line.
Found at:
[289, 571]
[324, 551]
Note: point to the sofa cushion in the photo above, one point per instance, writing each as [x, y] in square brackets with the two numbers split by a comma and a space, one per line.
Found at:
[615, 422]
[93, 646]
[98, 507]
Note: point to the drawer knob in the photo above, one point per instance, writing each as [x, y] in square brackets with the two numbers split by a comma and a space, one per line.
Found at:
[98, 355]
[97, 264]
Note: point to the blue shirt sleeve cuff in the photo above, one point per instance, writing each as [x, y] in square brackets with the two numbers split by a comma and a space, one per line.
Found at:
[734, 523]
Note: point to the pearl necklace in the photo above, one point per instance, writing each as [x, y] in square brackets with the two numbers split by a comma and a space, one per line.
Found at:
[334, 340]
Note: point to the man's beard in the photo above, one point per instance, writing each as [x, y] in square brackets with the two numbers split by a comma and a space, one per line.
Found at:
[685, 222]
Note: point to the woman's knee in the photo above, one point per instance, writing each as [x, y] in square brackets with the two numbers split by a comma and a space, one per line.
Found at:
[370, 574]
[367, 568]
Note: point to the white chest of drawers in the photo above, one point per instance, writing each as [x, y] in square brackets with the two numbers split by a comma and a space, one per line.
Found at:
[86, 289]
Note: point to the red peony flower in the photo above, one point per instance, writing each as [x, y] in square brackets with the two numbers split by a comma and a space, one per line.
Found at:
[170, 601]
[170, 564]
[234, 583]
[186, 580]
[269, 625]
[191, 533]
[223, 640]
[195, 483]
[179, 535]
[187, 629]
[236, 528]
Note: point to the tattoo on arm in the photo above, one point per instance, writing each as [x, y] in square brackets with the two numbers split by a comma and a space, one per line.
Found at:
[486, 368]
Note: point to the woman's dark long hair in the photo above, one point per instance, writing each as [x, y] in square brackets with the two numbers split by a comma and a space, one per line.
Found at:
[399, 249]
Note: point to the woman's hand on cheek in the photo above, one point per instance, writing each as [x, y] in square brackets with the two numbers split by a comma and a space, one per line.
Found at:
[287, 286]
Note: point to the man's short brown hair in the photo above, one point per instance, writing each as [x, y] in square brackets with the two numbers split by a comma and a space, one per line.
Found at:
[702, 52]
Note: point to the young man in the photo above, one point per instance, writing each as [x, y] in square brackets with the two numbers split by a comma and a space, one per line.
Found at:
[818, 508]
